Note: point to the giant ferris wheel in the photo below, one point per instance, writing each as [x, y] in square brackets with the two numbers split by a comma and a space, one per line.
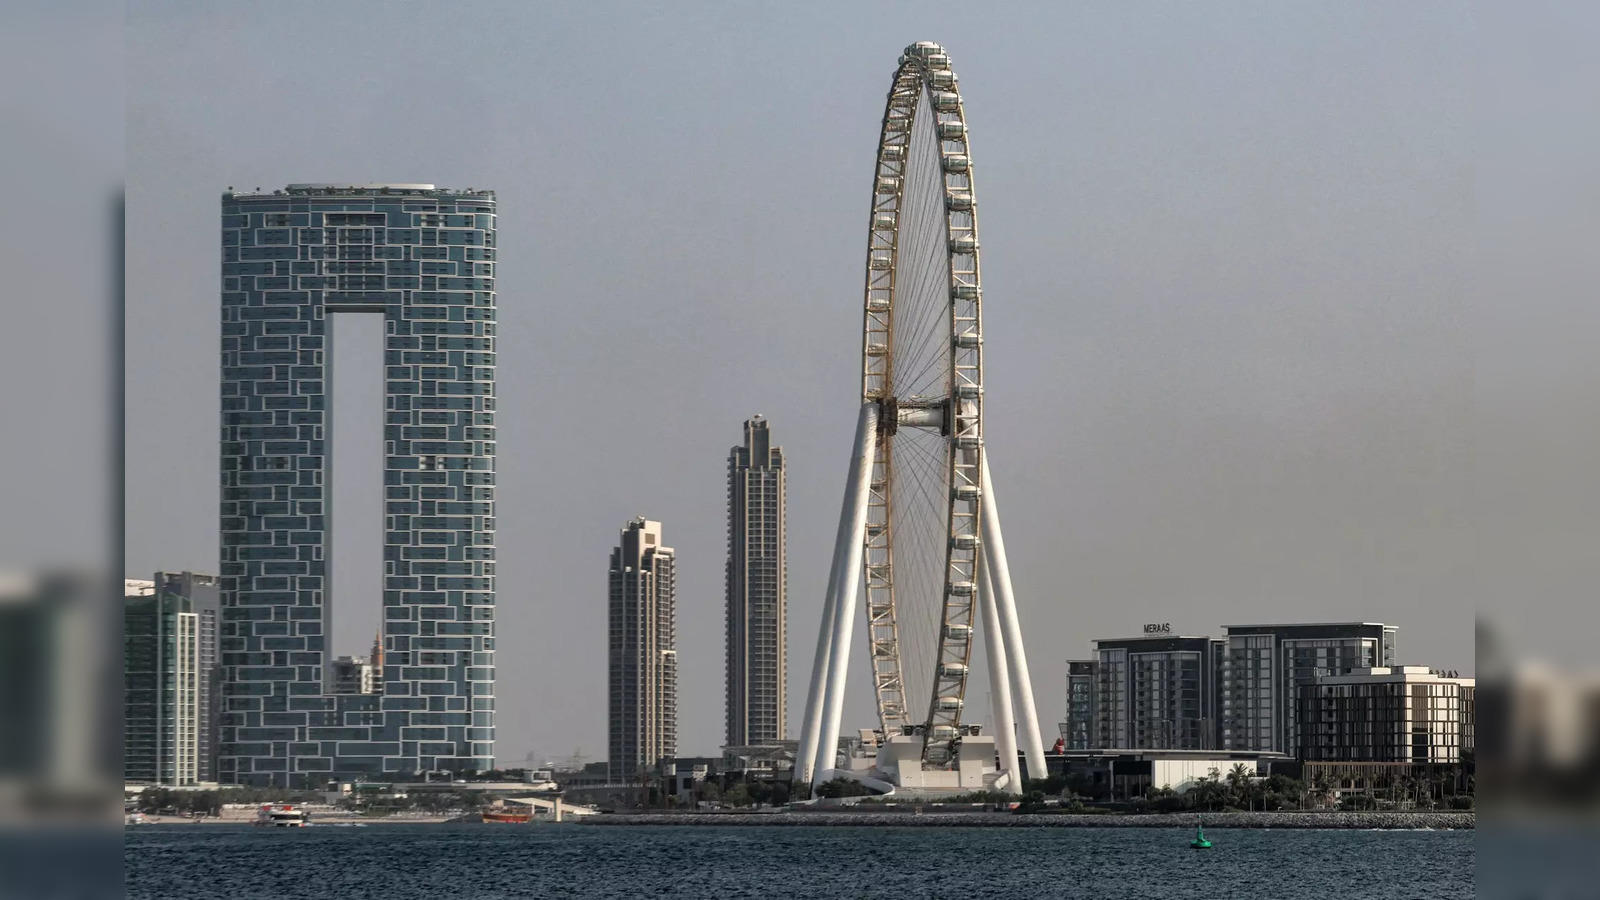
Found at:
[918, 526]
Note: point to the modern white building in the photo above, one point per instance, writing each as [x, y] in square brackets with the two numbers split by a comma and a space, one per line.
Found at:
[1120, 773]
[642, 694]
[1406, 714]
[356, 675]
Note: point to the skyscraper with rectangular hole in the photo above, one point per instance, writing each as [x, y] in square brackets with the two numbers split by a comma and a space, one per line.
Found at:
[756, 679]
[424, 260]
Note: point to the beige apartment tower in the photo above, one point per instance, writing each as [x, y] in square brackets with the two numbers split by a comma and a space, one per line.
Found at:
[757, 591]
[642, 693]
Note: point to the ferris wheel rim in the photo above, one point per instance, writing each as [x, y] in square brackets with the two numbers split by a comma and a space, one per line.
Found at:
[924, 81]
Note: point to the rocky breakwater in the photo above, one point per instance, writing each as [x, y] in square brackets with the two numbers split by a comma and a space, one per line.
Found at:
[909, 819]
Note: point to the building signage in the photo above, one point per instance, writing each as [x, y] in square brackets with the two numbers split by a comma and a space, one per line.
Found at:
[1158, 628]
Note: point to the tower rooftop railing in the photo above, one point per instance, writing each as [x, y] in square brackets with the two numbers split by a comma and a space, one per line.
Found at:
[338, 189]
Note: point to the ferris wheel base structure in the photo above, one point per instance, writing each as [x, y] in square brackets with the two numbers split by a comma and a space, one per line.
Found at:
[980, 761]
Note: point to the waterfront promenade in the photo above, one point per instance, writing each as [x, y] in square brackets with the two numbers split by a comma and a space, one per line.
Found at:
[910, 819]
[245, 814]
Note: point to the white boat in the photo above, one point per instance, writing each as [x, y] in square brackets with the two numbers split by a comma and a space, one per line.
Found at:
[281, 815]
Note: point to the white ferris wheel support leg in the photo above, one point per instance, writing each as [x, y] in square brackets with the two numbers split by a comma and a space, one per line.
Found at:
[811, 727]
[994, 558]
[845, 581]
[994, 647]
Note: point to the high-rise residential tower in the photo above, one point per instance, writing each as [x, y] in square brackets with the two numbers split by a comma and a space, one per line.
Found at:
[1157, 692]
[295, 261]
[757, 591]
[642, 694]
[170, 679]
[1265, 667]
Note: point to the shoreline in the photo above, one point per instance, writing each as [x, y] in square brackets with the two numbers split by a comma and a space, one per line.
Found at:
[316, 819]
[1379, 821]
[1386, 821]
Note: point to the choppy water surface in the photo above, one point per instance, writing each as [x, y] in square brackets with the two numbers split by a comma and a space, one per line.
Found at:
[486, 862]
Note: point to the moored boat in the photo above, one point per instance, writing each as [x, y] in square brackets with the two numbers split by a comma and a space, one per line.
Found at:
[281, 815]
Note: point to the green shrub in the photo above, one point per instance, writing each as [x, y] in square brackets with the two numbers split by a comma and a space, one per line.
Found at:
[843, 787]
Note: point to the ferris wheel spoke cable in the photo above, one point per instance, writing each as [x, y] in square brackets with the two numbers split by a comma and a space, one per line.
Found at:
[924, 258]
[926, 347]
[927, 297]
[925, 507]
[925, 602]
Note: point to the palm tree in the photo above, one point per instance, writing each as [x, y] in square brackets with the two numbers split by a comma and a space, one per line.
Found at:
[1320, 788]
[1239, 783]
[1208, 790]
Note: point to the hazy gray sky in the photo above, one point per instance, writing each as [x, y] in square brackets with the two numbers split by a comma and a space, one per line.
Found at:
[1229, 376]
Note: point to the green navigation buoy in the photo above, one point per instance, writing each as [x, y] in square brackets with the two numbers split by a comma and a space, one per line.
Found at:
[1200, 842]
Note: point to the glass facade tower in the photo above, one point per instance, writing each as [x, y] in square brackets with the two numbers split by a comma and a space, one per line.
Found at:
[169, 679]
[1079, 731]
[1156, 693]
[1265, 666]
[292, 261]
